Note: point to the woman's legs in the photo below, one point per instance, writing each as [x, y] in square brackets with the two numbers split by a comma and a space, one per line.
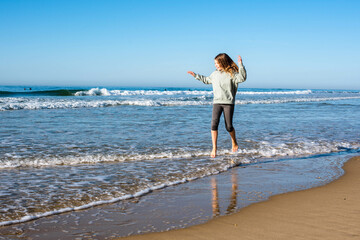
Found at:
[228, 110]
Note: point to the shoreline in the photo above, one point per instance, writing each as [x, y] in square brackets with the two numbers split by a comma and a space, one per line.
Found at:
[331, 211]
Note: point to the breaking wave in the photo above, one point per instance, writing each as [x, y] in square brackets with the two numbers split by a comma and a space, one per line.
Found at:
[262, 150]
[106, 92]
[7, 104]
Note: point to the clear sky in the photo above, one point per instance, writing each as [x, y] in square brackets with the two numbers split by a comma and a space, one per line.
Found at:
[284, 44]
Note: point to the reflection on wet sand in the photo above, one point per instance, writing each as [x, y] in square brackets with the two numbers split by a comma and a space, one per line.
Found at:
[215, 198]
[215, 195]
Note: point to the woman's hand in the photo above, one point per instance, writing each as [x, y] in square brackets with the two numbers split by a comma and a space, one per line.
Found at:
[191, 73]
[240, 60]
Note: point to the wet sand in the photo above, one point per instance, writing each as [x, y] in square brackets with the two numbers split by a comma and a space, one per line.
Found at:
[327, 212]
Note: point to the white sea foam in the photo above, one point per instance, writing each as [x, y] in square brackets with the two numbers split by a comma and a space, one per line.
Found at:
[290, 100]
[264, 150]
[296, 92]
[94, 92]
[106, 92]
[16, 161]
[38, 103]
[268, 150]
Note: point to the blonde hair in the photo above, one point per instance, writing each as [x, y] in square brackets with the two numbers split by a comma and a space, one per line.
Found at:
[227, 64]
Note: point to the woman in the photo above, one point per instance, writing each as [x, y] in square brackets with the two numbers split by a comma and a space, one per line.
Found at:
[225, 82]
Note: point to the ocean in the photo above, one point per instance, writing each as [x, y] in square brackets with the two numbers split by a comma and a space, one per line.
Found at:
[64, 149]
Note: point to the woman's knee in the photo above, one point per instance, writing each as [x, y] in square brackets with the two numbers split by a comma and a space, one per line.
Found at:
[229, 128]
[214, 126]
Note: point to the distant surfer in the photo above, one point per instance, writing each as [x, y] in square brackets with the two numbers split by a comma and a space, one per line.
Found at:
[224, 80]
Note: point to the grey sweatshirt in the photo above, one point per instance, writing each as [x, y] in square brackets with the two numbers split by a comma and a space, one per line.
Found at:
[224, 85]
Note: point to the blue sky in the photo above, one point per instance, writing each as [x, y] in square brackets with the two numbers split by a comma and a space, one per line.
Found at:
[284, 44]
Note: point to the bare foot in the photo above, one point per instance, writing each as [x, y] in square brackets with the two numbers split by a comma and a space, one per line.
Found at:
[213, 153]
[235, 148]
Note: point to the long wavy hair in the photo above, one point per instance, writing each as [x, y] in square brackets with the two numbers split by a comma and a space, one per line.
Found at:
[227, 64]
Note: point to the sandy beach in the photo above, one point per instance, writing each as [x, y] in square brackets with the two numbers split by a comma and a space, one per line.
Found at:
[327, 212]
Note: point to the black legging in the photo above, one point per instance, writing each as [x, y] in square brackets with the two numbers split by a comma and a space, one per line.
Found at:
[228, 110]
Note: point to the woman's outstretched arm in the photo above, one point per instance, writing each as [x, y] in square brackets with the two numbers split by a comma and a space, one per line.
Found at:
[204, 79]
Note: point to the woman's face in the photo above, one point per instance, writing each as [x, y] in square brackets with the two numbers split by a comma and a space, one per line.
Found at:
[217, 65]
